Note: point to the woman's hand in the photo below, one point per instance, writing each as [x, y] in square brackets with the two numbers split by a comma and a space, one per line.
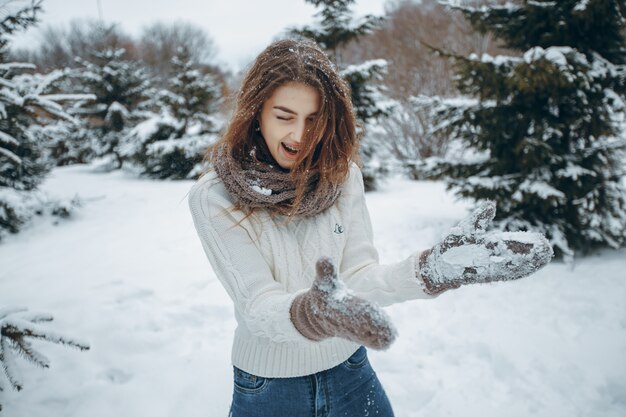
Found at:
[329, 309]
[471, 255]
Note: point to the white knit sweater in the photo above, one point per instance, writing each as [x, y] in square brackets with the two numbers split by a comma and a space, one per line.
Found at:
[264, 263]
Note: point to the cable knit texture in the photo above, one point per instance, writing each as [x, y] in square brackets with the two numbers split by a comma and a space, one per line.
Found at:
[264, 263]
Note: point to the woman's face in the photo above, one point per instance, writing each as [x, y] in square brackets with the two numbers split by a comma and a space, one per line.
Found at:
[284, 118]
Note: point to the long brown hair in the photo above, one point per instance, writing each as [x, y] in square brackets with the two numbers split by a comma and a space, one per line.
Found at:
[331, 142]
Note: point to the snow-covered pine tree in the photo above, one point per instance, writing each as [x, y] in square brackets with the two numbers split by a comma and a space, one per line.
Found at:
[17, 326]
[71, 142]
[335, 27]
[545, 128]
[120, 87]
[172, 142]
[25, 106]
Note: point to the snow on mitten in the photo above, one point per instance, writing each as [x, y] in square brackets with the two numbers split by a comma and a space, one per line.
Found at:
[330, 309]
[470, 255]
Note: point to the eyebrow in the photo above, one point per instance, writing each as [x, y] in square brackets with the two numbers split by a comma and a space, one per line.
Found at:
[286, 110]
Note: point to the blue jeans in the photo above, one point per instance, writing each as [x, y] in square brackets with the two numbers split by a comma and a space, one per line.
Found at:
[349, 389]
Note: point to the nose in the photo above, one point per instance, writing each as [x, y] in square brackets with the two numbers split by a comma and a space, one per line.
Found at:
[298, 131]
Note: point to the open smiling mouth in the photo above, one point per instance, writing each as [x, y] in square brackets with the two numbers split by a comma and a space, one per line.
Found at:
[290, 150]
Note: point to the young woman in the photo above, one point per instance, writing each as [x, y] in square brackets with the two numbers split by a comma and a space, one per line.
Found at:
[282, 218]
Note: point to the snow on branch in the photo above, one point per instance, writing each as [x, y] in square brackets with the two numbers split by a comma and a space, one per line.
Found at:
[367, 68]
[8, 139]
[558, 55]
[16, 65]
[460, 102]
[47, 79]
[10, 155]
[69, 97]
[539, 188]
[606, 143]
[457, 5]
[543, 4]
[581, 5]
[498, 60]
[17, 326]
[5, 311]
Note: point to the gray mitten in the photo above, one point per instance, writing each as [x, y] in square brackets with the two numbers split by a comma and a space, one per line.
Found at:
[471, 255]
[329, 309]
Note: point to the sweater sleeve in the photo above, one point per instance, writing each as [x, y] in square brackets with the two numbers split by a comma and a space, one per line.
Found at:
[360, 268]
[240, 266]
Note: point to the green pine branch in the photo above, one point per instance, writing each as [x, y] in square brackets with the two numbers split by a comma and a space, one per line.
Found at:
[16, 328]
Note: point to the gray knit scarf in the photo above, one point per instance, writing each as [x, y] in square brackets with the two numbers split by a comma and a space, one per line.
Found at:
[259, 182]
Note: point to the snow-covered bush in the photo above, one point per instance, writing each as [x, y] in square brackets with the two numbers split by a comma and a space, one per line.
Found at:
[121, 87]
[155, 146]
[68, 143]
[171, 143]
[18, 207]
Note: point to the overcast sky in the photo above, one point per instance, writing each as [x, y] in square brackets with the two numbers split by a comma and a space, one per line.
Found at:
[240, 28]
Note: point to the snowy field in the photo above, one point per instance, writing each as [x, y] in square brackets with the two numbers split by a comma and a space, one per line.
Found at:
[128, 275]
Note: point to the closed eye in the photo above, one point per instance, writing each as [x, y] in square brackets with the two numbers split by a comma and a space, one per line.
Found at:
[310, 119]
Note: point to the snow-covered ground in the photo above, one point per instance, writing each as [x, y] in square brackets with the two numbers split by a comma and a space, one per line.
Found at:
[129, 276]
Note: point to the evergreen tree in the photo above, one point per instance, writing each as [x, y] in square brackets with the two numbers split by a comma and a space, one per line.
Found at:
[193, 95]
[335, 28]
[70, 142]
[543, 129]
[25, 106]
[171, 142]
[120, 87]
